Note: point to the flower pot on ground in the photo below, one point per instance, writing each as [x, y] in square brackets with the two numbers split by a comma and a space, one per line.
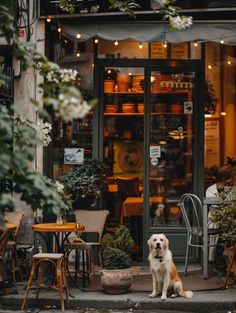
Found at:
[116, 276]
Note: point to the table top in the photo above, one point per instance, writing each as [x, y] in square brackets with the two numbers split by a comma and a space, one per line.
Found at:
[9, 226]
[54, 227]
[140, 200]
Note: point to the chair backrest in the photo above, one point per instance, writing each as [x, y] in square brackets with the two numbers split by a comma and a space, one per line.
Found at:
[128, 187]
[94, 221]
[191, 207]
[14, 217]
[3, 242]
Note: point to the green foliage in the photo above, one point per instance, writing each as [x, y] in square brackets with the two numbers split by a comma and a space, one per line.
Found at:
[127, 6]
[85, 180]
[116, 249]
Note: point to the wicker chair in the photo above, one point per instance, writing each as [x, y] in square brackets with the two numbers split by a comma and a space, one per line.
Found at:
[94, 222]
[3, 245]
[16, 218]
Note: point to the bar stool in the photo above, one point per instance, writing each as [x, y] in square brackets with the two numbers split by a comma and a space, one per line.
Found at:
[58, 262]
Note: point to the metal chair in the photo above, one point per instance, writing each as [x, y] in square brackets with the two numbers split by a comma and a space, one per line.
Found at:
[94, 222]
[192, 211]
[16, 218]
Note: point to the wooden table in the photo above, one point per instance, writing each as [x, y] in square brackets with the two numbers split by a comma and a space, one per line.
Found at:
[10, 226]
[134, 206]
[56, 230]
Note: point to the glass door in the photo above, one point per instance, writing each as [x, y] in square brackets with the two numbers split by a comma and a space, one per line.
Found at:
[171, 162]
[123, 149]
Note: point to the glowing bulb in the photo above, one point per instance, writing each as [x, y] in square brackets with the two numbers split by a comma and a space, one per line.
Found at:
[78, 54]
[93, 65]
[78, 36]
[229, 62]
[208, 115]
[96, 40]
[209, 67]
[109, 71]
[222, 41]
[48, 19]
[130, 73]
[59, 29]
[223, 113]
[65, 41]
[195, 43]
[140, 45]
[165, 44]
[116, 43]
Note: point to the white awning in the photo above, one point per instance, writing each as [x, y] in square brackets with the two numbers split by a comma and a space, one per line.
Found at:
[152, 32]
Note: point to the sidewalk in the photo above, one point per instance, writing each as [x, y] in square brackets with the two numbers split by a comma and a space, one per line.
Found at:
[203, 301]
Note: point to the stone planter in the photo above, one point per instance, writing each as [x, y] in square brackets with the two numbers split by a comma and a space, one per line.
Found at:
[116, 281]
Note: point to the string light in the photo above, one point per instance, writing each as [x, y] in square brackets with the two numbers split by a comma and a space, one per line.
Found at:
[222, 41]
[195, 44]
[223, 113]
[165, 44]
[116, 43]
[130, 73]
[208, 115]
[209, 66]
[78, 36]
[48, 19]
[96, 40]
[140, 45]
[59, 29]
[229, 62]
[78, 54]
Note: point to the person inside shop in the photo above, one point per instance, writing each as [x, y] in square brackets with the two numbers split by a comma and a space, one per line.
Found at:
[215, 251]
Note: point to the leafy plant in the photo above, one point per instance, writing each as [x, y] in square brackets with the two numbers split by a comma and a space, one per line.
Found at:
[85, 180]
[116, 249]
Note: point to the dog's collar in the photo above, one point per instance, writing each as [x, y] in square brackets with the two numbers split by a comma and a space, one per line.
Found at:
[160, 258]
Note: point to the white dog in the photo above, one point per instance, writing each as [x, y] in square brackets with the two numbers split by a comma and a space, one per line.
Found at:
[163, 269]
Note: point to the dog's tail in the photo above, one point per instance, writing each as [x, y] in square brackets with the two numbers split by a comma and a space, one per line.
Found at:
[187, 294]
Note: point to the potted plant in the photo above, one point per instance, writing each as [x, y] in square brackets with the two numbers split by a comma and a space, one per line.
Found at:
[85, 183]
[116, 276]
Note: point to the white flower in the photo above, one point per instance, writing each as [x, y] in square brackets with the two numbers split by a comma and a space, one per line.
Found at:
[60, 187]
[180, 22]
[44, 130]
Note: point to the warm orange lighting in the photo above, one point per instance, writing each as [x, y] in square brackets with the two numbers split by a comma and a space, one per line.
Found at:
[109, 71]
[78, 54]
[223, 113]
[96, 40]
[130, 73]
[208, 115]
[195, 43]
[229, 62]
[165, 44]
[116, 43]
[78, 36]
[48, 19]
[222, 41]
[209, 66]
[140, 45]
[59, 29]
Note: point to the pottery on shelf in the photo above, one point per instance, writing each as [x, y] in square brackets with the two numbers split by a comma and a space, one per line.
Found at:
[128, 107]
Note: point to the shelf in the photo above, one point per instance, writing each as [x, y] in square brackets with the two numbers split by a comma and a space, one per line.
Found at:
[168, 113]
[123, 114]
[124, 93]
[170, 92]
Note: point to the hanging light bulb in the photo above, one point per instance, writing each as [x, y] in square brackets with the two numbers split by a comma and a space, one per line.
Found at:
[222, 41]
[116, 43]
[140, 45]
[223, 113]
[195, 43]
[229, 62]
[209, 66]
[96, 40]
[59, 29]
[48, 19]
[165, 44]
[78, 54]
[78, 36]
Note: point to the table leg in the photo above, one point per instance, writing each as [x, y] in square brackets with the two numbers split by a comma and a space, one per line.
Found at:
[205, 242]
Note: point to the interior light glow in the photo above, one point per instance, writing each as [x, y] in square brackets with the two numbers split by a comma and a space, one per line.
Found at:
[223, 113]
[116, 43]
[78, 36]
[229, 62]
[195, 43]
[165, 44]
[140, 45]
[208, 115]
[48, 19]
[78, 54]
[209, 66]
[222, 41]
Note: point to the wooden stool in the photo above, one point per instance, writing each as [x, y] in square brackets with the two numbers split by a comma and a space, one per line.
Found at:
[58, 262]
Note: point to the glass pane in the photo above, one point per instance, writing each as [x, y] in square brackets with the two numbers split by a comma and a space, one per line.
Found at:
[123, 149]
[171, 144]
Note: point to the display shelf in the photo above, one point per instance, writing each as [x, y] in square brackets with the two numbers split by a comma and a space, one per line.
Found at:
[123, 114]
[124, 93]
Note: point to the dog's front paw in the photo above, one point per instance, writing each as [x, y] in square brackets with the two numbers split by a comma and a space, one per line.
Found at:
[153, 294]
[163, 298]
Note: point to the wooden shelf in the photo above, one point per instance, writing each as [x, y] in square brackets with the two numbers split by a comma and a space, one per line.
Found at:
[124, 93]
[123, 114]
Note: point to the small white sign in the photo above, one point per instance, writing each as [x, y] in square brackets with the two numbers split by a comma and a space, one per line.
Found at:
[74, 155]
[155, 152]
[154, 161]
[188, 107]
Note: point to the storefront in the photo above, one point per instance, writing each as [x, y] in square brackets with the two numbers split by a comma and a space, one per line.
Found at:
[164, 121]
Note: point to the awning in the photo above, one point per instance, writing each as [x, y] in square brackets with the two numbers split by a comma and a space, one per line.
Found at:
[152, 32]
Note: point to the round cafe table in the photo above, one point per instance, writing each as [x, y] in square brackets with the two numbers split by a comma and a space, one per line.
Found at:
[57, 230]
[10, 226]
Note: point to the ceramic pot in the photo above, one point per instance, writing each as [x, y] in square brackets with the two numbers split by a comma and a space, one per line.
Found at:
[160, 107]
[128, 107]
[116, 281]
[141, 107]
[123, 81]
[176, 108]
[111, 108]
[109, 85]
